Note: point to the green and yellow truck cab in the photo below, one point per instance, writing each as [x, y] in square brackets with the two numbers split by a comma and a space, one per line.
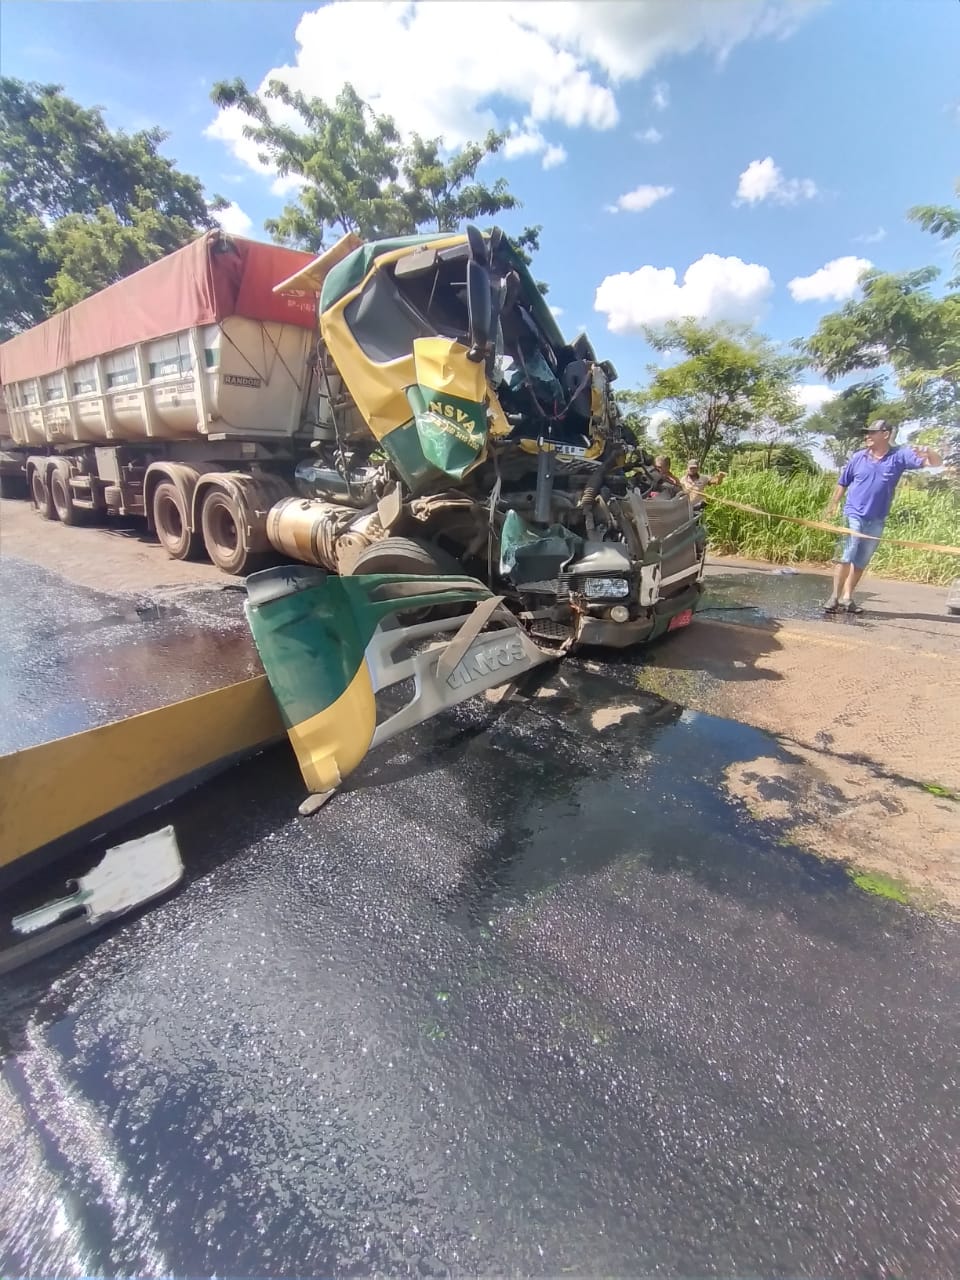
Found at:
[457, 431]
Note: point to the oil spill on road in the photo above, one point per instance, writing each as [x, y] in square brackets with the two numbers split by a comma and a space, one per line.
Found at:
[73, 659]
[532, 995]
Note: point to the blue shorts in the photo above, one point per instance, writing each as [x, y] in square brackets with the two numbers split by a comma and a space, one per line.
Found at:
[859, 551]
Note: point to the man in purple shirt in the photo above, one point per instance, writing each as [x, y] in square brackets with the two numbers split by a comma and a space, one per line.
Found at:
[869, 481]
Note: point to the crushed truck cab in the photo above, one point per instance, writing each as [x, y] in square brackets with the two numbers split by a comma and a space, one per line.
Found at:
[454, 415]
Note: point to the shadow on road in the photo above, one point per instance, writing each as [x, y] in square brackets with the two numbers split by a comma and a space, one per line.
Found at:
[723, 650]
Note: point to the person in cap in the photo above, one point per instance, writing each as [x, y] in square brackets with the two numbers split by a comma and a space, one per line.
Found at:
[868, 483]
[694, 481]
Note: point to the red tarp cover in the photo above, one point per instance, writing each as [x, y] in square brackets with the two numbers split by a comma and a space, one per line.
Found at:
[195, 285]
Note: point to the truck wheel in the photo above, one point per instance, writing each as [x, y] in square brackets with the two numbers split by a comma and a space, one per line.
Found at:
[170, 522]
[62, 499]
[225, 535]
[406, 555]
[40, 495]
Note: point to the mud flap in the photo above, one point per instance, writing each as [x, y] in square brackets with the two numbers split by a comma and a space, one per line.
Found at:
[330, 644]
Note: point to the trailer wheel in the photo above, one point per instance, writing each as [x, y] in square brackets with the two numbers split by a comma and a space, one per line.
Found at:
[171, 524]
[62, 499]
[225, 535]
[40, 495]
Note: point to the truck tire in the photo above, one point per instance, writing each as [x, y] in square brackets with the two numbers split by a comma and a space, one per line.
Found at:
[40, 495]
[406, 555]
[172, 525]
[58, 484]
[225, 535]
[409, 555]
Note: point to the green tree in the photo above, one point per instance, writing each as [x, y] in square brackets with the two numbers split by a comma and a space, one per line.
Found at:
[632, 405]
[357, 173]
[730, 382]
[941, 220]
[901, 327]
[81, 205]
[841, 421]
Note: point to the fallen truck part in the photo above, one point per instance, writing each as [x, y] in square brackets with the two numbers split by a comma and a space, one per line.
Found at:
[58, 796]
[128, 876]
[329, 645]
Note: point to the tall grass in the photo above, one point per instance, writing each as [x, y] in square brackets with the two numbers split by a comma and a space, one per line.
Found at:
[918, 514]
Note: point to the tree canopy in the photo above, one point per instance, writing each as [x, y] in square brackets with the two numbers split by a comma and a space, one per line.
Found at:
[357, 173]
[81, 205]
[941, 220]
[729, 382]
[899, 324]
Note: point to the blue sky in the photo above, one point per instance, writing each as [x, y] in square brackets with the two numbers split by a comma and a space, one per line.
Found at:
[830, 117]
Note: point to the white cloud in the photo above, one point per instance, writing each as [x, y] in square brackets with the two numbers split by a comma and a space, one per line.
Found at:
[288, 185]
[661, 96]
[556, 312]
[811, 396]
[641, 198]
[529, 141]
[233, 220]
[650, 135]
[713, 289]
[834, 282]
[764, 180]
[871, 237]
[523, 142]
[557, 61]
[658, 418]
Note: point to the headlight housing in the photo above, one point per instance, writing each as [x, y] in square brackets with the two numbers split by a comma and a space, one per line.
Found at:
[605, 588]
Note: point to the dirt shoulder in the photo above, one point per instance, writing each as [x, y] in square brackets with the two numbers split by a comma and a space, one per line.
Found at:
[868, 711]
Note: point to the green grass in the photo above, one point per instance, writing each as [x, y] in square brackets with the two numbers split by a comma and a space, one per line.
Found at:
[920, 515]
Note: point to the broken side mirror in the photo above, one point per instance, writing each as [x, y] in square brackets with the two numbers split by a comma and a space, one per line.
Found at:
[479, 310]
[478, 246]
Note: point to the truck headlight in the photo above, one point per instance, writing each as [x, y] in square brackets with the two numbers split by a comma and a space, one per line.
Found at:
[606, 588]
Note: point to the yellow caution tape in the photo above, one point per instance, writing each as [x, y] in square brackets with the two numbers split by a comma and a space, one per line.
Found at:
[834, 528]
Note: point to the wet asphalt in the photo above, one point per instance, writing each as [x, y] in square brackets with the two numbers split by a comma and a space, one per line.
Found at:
[533, 996]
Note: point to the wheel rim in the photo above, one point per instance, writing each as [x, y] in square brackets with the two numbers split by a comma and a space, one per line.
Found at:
[168, 520]
[222, 528]
[59, 494]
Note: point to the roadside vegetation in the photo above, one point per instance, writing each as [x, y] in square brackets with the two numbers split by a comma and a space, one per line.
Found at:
[921, 513]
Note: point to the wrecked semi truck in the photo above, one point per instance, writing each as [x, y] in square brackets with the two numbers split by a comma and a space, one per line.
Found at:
[400, 406]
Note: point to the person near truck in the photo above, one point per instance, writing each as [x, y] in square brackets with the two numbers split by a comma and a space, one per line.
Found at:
[662, 463]
[868, 483]
[695, 482]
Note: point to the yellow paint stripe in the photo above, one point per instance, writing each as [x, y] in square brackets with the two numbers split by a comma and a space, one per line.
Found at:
[331, 744]
[55, 788]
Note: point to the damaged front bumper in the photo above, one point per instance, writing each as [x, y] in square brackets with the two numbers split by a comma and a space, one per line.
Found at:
[653, 622]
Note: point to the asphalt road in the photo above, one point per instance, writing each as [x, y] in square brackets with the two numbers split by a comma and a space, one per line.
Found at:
[533, 996]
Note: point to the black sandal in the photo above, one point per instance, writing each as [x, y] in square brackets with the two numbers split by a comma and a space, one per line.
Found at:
[852, 607]
[832, 606]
